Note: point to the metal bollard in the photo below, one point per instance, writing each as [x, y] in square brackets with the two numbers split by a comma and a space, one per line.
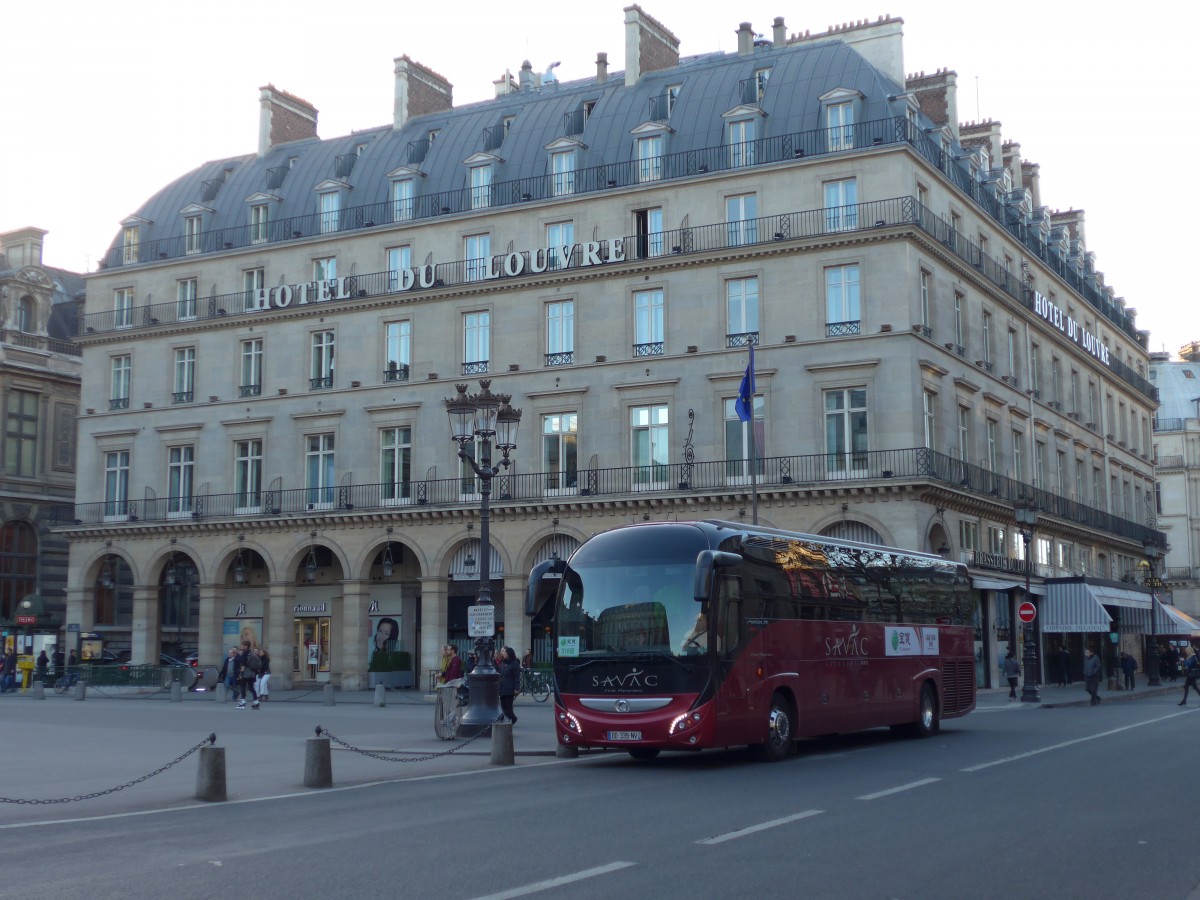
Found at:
[318, 767]
[39, 691]
[502, 744]
[218, 692]
[80, 691]
[176, 692]
[380, 695]
[328, 699]
[210, 777]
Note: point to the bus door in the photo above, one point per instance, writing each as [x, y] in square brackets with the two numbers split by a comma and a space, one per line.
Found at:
[734, 699]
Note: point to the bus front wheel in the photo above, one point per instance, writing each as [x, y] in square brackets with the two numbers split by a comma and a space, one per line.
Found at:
[779, 731]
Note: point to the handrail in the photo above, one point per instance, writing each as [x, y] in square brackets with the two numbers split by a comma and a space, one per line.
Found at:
[786, 473]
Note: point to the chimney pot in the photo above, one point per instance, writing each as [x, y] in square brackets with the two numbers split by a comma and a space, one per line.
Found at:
[779, 34]
[601, 68]
[745, 36]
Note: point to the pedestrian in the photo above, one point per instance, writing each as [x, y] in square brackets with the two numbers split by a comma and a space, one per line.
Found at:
[228, 674]
[43, 664]
[72, 661]
[9, 681]
[1091, 675]
[510, 682]
[446, 648]
[1012, 671]
[246, 675]
[1128, 667]
[58, 660]
[263, 685]
[1191, 672]
[527, 659]
[454, 666]
[1062, 666]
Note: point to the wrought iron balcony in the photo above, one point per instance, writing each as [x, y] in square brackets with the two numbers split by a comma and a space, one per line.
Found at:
[653, 348]
[395, 373]
[565, 358]
[323, 383]
[118, 403]
[1168, 424]
[250, 390]
[742, 339]
[840, 329]
[478, 367]
[181, 397]
[860, 471]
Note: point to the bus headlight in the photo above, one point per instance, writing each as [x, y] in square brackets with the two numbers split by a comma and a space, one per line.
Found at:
[569, 722]
[682, 723]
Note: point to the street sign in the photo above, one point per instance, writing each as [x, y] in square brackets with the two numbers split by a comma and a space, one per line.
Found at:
[481, 620]
[72, 626]
[1027, 612]
[26, 620]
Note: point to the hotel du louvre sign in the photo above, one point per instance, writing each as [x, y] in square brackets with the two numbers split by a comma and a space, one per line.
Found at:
[1071, 327]
[507, 265]
[999, 562]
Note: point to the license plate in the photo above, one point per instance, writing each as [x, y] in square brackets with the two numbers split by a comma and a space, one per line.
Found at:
[624, 735]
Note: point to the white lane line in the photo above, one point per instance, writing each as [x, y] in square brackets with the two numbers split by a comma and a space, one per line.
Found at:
[897, 790]
[751, 829]
[557, 882]
[1082, 740]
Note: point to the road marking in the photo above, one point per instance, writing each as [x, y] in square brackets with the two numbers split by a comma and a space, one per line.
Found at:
[292, 796]
[897, 790]
[751, 829]
[1091, 737]
[557, 882]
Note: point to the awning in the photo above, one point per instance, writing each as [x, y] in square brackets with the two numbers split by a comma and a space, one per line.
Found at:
[995, 584]
[1073, 607]
[1177, 618]
[1113, 596]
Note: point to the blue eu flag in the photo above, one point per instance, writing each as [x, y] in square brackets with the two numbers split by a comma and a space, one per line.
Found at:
[745, 400]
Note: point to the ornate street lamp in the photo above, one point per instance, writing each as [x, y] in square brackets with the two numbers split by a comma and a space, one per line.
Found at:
[1152, 552]
[387, 564]
[1027, 517]
[484, 416]
[310, 565]
[239, 564]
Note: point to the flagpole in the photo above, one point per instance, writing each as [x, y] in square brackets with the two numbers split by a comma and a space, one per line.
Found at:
[753, 470]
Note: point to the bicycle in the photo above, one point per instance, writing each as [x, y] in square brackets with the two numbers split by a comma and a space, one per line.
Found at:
[66, 682]
[536, 684]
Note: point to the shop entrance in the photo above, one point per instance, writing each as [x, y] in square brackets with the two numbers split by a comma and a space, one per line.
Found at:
[310, 650]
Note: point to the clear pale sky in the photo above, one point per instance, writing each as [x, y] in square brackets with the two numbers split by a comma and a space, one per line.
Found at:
[102, 104]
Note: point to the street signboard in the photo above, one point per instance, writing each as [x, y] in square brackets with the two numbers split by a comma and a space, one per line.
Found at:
[481, 620]
[1027, 612]
[72, 626]
[26, 620]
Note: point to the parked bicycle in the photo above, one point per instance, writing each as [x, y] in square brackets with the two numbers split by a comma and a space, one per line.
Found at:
[66, 681]
[536, 684]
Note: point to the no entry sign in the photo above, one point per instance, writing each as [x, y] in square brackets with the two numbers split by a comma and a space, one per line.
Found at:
[1027, 612]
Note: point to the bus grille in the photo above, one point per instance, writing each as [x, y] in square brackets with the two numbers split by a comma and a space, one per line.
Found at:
[958, 685]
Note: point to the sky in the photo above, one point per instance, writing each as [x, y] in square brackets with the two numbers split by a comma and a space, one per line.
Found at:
[102, 104]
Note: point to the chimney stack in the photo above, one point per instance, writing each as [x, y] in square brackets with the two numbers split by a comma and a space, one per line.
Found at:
[527, 77]
[779, 34]
[745, 36]
[506, 84]
[937, 95]
[649, 46]
[420, 91]
[601, 68]
[283, 118]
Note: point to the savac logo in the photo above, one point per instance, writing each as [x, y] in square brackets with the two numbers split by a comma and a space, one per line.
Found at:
[850, 645]
[636, 678]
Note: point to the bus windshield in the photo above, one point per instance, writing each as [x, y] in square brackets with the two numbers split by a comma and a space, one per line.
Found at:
[616, 609]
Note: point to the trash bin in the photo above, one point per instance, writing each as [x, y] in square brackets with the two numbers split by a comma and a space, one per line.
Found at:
[25, 667]
[446, 710]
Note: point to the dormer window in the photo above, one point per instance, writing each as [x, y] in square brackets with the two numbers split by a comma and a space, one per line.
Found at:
[130, 238]
[672, 94]
[562, 167]
[741, 136]
[481, 186]
[25, 315]
[191, 234]
[402, 199]
[331, 204]
[760, 83]
[258, 223]
[433, 135]
[840, 109]
[650, 157]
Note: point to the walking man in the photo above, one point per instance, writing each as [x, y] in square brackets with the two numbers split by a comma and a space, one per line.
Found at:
[1091, 675]
[1191, 671]
[1128, 667]
[1012, 671]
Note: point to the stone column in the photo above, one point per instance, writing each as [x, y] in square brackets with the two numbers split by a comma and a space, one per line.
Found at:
[81, 610]
[355, 634]
[211, 625]
[281, 633]
[146, 631]
[516, 623]
[434, 620]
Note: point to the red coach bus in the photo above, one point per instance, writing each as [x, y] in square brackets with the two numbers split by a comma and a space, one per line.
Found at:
[689, 635]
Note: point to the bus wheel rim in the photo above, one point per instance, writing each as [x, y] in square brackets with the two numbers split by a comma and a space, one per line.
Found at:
[781, 726]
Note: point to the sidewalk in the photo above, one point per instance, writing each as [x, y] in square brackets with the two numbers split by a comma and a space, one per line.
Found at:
[1052, 696]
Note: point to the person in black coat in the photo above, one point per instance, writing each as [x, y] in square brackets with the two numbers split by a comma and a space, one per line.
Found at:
[510, 682]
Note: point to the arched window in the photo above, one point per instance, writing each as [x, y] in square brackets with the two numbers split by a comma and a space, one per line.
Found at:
[18, 566]
[25, 315]
[853, 531]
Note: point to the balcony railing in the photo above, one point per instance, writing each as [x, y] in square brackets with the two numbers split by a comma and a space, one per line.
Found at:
[1168, 424]
[696, 239]
[1174, 461]
[780, 473]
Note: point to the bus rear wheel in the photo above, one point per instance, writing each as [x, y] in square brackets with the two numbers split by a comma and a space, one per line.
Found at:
[644, 753]
[779, 731]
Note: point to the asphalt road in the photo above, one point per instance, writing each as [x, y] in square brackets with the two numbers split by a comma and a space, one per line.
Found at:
[1007, 803]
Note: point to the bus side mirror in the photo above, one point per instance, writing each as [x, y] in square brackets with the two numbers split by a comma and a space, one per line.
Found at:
[706, 562]
[544, 580]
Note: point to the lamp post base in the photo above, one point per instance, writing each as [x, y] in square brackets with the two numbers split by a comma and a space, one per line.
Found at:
[483, 707]
[1031, 667]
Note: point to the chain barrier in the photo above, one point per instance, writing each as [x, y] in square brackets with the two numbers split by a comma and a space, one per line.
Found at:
[211, 739]
[392, 759]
